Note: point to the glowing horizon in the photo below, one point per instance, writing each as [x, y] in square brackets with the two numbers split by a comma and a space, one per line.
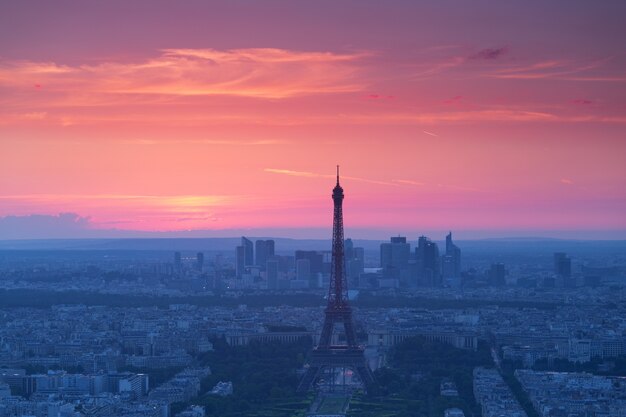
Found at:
[235, 117]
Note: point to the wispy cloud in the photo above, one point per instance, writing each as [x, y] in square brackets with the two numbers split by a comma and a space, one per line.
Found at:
[260, 73]
[410, 182]
[213, 142]
[436, 186]
[307, 174]
[494, 115]
[430, 133]
[559, 69]
[429, 70]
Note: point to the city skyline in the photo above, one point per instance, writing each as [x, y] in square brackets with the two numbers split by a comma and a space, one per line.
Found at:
[491, 121]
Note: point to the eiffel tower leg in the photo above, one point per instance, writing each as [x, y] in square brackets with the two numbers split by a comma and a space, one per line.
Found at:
[327, 332]
[308, 379]
[367, 378]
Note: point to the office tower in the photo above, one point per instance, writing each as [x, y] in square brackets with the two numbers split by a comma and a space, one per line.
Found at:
[248, 251]
[354, 269]
[451, 262]
[394, 259]
[454, 252]
[271, 268]
[240, 261]
[359, 253]
[260, 254]
[349, 246]
[178, 263]
[497, 275]
[271, 247]
[563, 269]
[338, 312]
[199, 261]
[303, 269]
[264, 250]
[316, 260]
[427, 262]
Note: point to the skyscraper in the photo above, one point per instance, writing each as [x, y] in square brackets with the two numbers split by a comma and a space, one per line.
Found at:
[178, 263]
[394, 259]
[272, 274]
[349, 245]
[427, 262]
[264, 250]
[240, 261]
[303, 269]
[315, 258]
[451, 262]
[199, 261]
[497, 274]
[563, 269]
[248, 251]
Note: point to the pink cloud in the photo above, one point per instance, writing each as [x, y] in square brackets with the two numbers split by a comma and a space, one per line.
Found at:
[260, 73]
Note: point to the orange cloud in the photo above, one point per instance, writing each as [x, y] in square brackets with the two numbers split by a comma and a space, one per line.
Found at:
[259, 73]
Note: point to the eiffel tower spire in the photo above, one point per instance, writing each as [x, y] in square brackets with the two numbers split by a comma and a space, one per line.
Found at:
[326, 355]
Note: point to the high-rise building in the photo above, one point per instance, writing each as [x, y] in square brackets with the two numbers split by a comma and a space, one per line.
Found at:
[240, 261]
[248, 251]
[199, 261]
[264, 250]
[271, 268]
[497, 274]
[427, 262]
[355, 262]
[303, 269]
[394, 259]
[315, 258]
[451, 262]
[359, 253]
[563, 269]
[354, 269]
[178, 263]
[349, 248]
[453, 251]
[260, 255]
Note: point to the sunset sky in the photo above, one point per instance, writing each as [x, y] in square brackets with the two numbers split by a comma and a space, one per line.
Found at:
[485, 118]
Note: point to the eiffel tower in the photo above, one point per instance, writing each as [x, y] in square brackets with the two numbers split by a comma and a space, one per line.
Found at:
[326, 355]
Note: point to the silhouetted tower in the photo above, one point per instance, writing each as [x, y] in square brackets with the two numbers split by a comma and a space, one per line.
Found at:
[327, 356]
